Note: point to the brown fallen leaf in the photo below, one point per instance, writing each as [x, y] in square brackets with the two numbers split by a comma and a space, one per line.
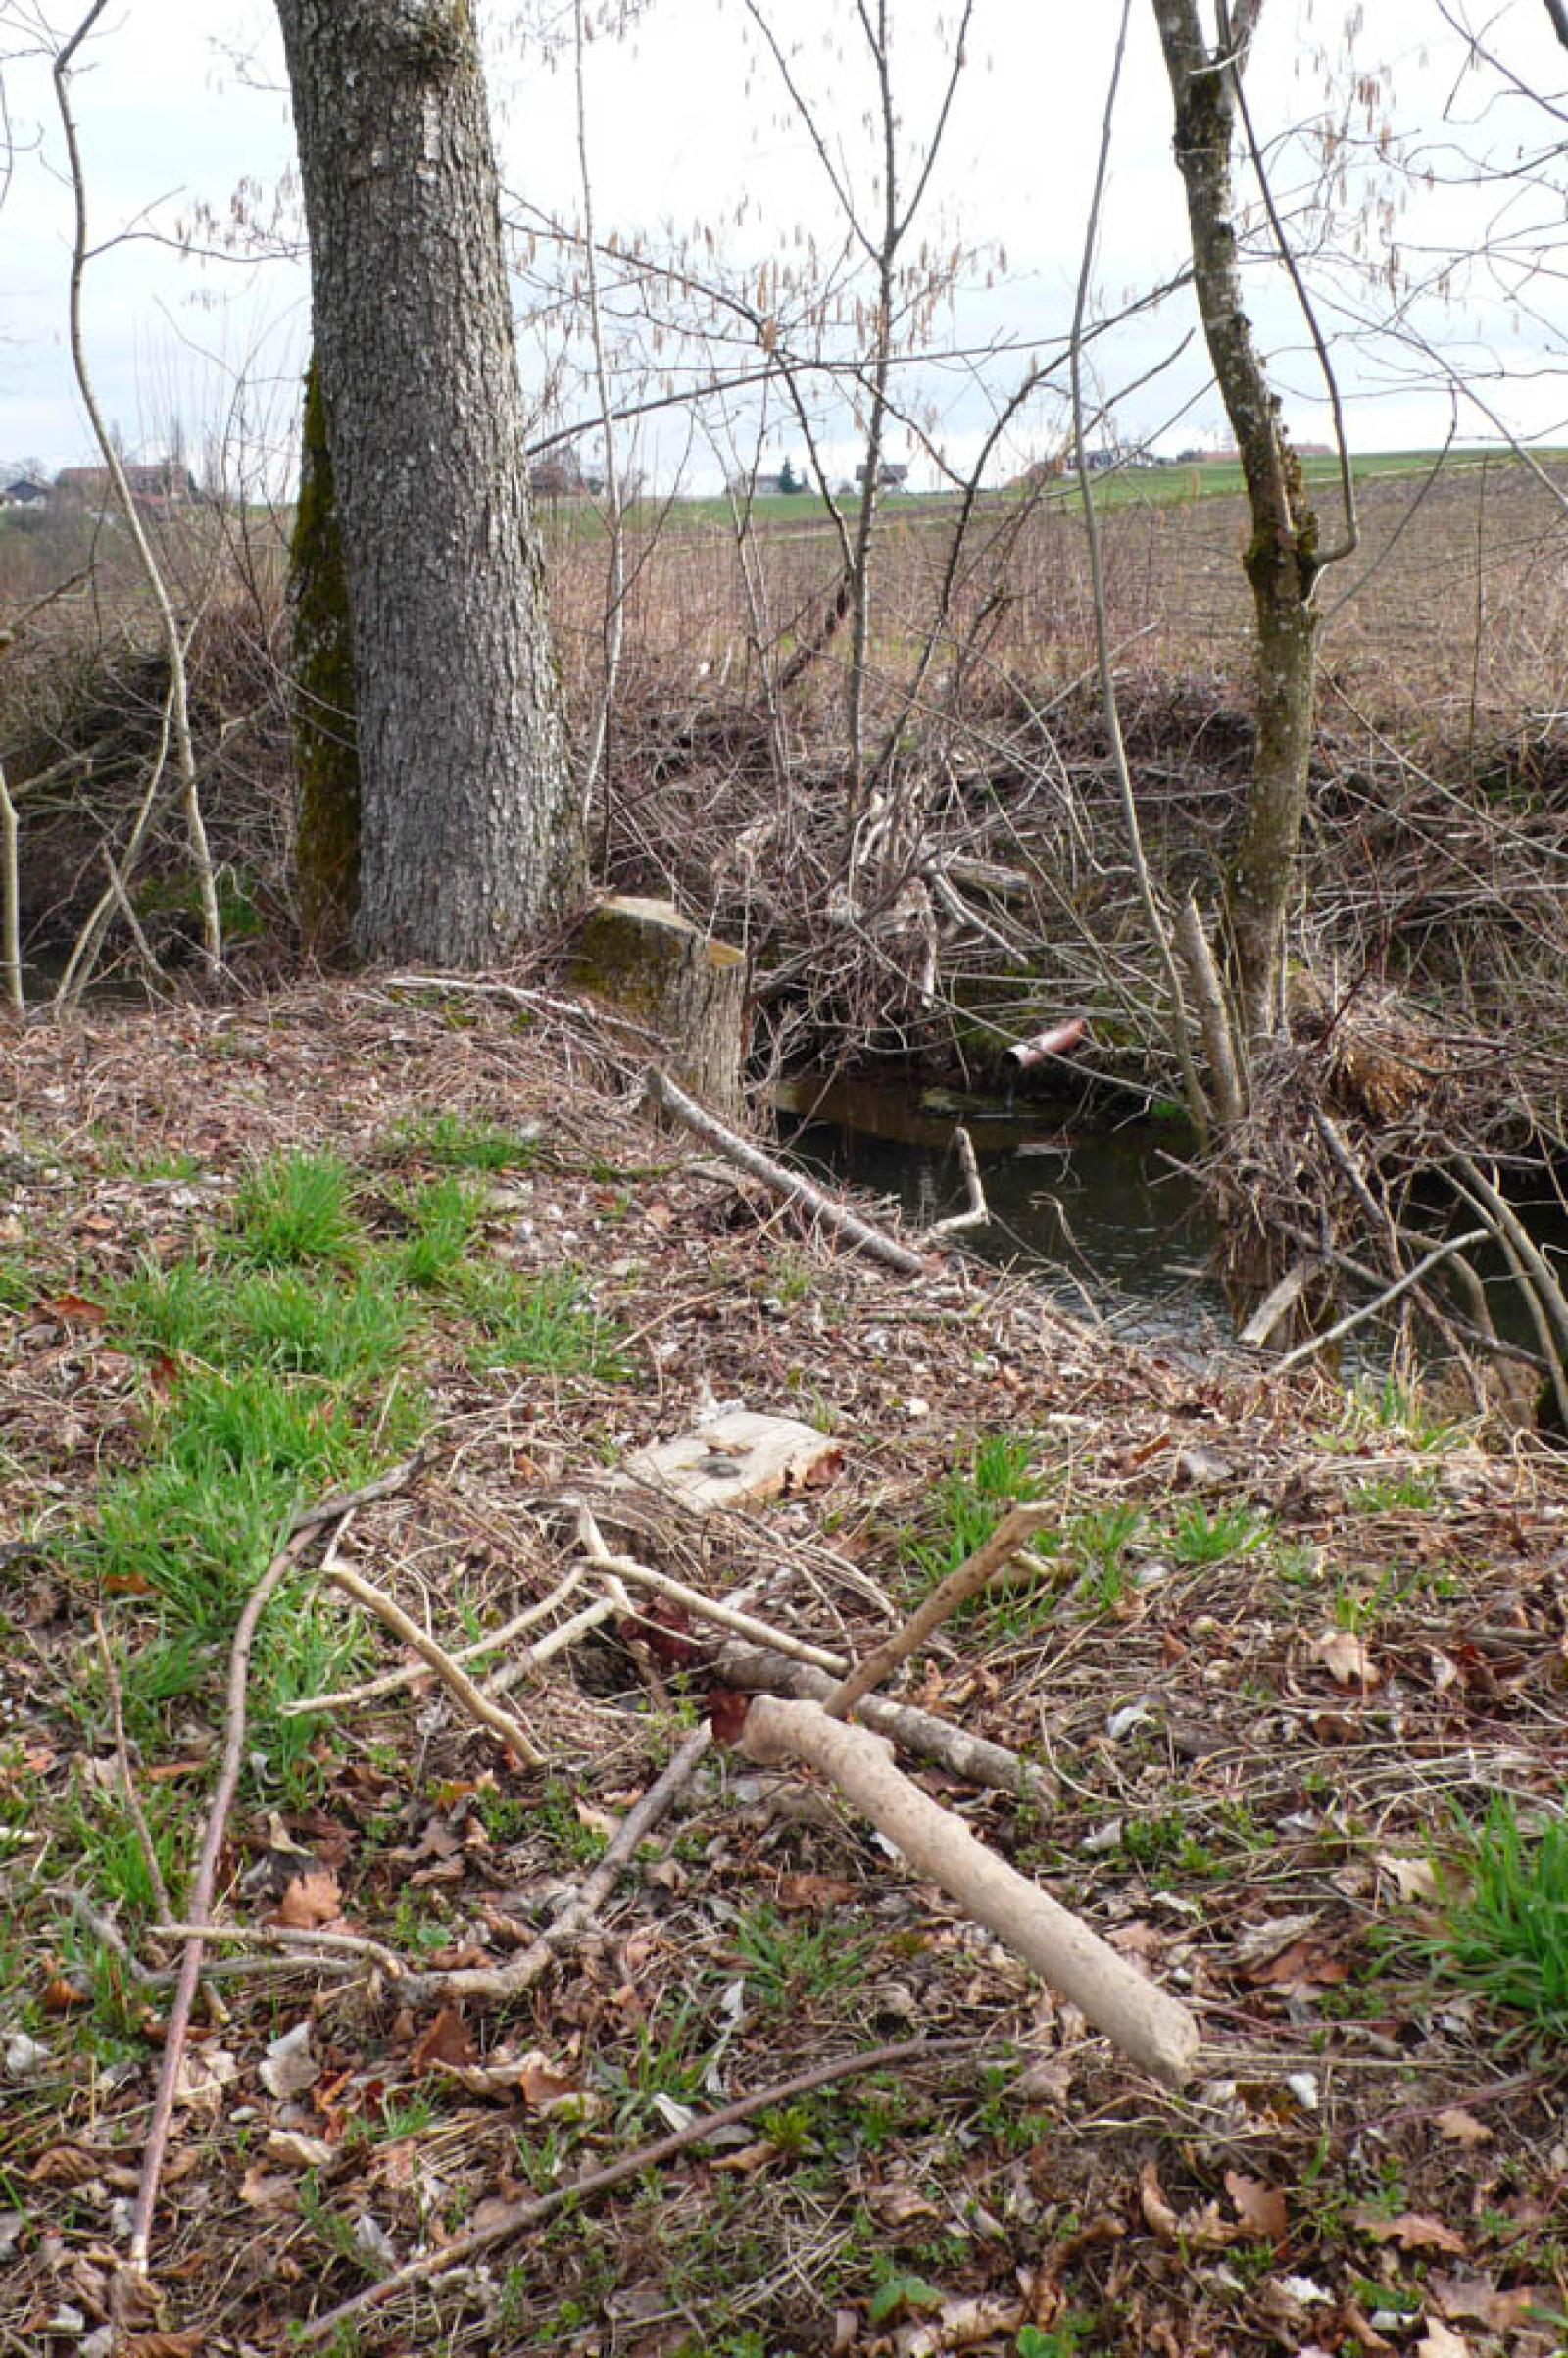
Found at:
[1441, 2342]
[444, 2041]
[72, 1309]
[531, 2077]
[1345, 1657]
[799, 1893]
[726, 1712]
[1256, 1943]
[263, 2189]
[203, 2075]
[59, 1994]
[299, 2151]
[1414, 1878]
[1157, 2213]
[65, 2166]
[1303, 1970]
[1472, 2297]
[1258, 2205]
[1461, 2128]
[965, 2322]
[312, 1898]
[1137, 1940]
[1413, 2231]
[897, 2204]
[1207, 2230]
[747, 2158]
[187, 2345]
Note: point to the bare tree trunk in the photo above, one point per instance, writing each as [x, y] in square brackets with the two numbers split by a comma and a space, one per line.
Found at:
[321, 698]
[471, 834]
[1282, 559]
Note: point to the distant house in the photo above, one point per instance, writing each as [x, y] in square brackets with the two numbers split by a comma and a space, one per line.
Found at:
[892, 475]
[165, 483]
[758, 487]
[560, 475]
[25, 493]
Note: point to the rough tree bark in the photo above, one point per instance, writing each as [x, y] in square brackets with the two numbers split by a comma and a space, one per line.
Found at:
[323, 702]
[1282, 558]
[471, 834]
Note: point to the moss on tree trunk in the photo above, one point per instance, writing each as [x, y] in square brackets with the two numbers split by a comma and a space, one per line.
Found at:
[326, 754]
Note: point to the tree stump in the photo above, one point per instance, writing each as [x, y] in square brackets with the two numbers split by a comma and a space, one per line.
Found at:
[646, 959]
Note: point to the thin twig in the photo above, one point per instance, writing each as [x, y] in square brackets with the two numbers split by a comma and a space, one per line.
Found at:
[1179, 1026]
[105, 1931]
[199, 1905]
[369, 1494]
[10, 903]
[286, 1936]
[724, 1616]
[127, 1782]
[516, 2216]
[201, 1895]
[1017, 1527]
[1389, 1294]
[348, 1698]
[832, 1215]
[578, 1913]
[456, 1680]
[534, 1657]
[978, 1213]
[152, 574]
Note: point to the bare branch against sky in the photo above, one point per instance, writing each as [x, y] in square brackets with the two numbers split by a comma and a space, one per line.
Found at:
[1406, 158]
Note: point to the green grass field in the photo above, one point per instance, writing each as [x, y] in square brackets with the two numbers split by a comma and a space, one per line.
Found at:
[1133, 486]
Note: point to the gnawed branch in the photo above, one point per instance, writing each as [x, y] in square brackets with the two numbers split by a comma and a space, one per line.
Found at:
[1156, 2031]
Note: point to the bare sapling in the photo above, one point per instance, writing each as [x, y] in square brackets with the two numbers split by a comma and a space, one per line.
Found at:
[178, 713]
[1285, 556]
[880, 230]
[1179, 1025]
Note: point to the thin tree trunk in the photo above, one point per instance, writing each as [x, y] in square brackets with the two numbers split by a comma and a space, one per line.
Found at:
[1282, 559]
[472, 835]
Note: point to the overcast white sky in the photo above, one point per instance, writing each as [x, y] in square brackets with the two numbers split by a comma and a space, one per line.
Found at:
[182, 102]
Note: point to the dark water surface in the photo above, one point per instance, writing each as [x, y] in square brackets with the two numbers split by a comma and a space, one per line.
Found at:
[1095, 1209]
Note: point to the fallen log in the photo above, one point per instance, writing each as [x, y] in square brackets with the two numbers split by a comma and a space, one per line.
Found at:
[757, 1670]
[830, 1214]
[1154, 2030]
[1027, 1054]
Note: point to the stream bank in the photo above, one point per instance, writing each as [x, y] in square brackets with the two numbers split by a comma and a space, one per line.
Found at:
[1277, 1643]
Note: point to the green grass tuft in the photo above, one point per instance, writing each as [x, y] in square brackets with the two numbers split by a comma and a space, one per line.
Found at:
[454, 1143]
[296, 1212]
[284, 1319]
[443, 1218]
[1202, 1538]
[1506, 1933]
[972, 1500]
[548, 1323]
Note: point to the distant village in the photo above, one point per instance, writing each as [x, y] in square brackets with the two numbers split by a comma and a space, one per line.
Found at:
[165, 486]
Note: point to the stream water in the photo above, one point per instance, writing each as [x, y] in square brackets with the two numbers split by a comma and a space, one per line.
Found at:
[1096, 1210]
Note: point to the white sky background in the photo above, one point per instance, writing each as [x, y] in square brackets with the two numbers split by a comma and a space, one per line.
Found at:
[181, 101]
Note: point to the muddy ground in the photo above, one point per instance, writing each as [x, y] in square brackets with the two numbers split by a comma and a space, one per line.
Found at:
[1278, 1647]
